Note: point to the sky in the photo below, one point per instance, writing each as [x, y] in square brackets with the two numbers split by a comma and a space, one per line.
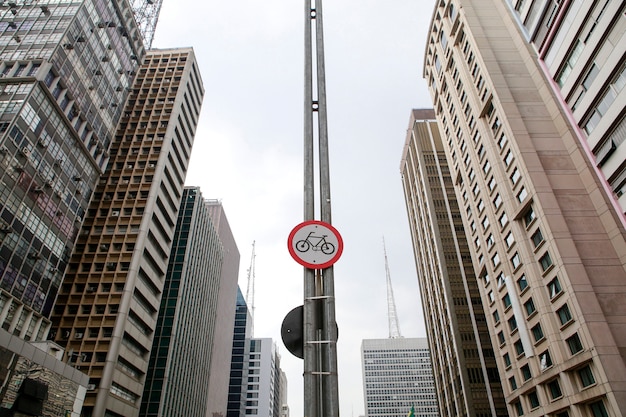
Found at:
[248, 153]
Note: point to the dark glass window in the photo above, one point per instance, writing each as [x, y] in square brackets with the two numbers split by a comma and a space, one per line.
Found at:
[555, 389]
[586, 376]
[574, 344]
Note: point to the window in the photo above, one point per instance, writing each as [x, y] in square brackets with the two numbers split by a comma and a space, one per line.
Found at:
[506, 300]
[502, 141]
[485, 277]
[526, 374]
[515, 176]
[545, 261]
[507, 360]
[533, 399]
[586, 376]
[554, 288]
[574, 344]
[497, 202]
[513, 383]
[530, 307]
[480, 206]
[518, 408]
[554, 389]
[565, 316]
[508, 158]
[490, 240]
[522, 283]
[545, 360]
[485, 222]
[515, 261]
[496, 316]
[598, 410]
[503, 219]
[519, 347]
[491, 297]
[501, 338]
[509, 240]
[501, 280]
[537, 238]
[537, 332]
[529, 217]
[492, 183]
[486, 167]
[521, 196]
[495, 260]
[512, 324]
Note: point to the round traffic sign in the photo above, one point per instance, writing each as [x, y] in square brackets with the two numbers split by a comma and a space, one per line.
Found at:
[315, 244]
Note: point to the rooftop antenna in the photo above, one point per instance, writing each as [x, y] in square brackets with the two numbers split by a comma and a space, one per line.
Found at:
[392, 314]
[250, 288]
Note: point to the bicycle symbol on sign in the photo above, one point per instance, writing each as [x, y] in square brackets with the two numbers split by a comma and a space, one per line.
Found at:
[317, 245]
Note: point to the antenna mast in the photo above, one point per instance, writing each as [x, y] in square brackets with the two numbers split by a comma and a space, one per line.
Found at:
[392, 314]
[250, 289]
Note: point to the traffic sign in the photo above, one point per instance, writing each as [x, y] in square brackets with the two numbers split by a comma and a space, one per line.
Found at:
[315, 244]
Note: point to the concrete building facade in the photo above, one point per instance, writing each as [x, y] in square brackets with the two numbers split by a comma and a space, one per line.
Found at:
[581, 47]
[222, 349]
[547, 239]
[464, 366]
[398, 378]
[107, 308]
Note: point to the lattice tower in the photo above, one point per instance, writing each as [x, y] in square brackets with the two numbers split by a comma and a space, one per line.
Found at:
[146, 14]
[250, 288]
[392, 314]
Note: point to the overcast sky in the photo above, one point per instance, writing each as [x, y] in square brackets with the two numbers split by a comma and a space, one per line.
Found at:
[248, 154]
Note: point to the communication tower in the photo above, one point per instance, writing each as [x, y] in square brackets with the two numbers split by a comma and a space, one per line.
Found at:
[250, 287]
[392, 314]
[146, 14]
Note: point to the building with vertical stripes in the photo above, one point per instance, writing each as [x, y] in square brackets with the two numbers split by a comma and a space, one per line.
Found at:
[398, 378]
[464, 366]
[181, 359]
[547, 238]
[107, 308]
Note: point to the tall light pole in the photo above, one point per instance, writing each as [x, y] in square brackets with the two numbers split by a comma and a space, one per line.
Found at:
[321, 397]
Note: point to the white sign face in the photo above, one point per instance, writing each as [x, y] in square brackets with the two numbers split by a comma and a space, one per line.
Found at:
[315, 244]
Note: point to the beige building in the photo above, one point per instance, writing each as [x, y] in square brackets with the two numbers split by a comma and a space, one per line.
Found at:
[581, 46]
[464, 366]
[107, 307]
[547, 240]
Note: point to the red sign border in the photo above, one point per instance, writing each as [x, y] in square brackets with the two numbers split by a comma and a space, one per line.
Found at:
[326, 264]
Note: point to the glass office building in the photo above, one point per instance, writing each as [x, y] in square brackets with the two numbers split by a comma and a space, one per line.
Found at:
[66, 68]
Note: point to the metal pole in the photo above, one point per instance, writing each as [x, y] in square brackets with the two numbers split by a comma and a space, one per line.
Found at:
[321, 398]
[330, 388]
[310, 350]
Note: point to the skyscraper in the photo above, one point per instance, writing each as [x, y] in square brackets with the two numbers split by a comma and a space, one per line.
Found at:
[107, 308]
[221, 350]
[398, 377]
[181, 359]
[464, 366]
[238, 382]
[257, 385]
[65, 72]
[547, 241]
[263, 383]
